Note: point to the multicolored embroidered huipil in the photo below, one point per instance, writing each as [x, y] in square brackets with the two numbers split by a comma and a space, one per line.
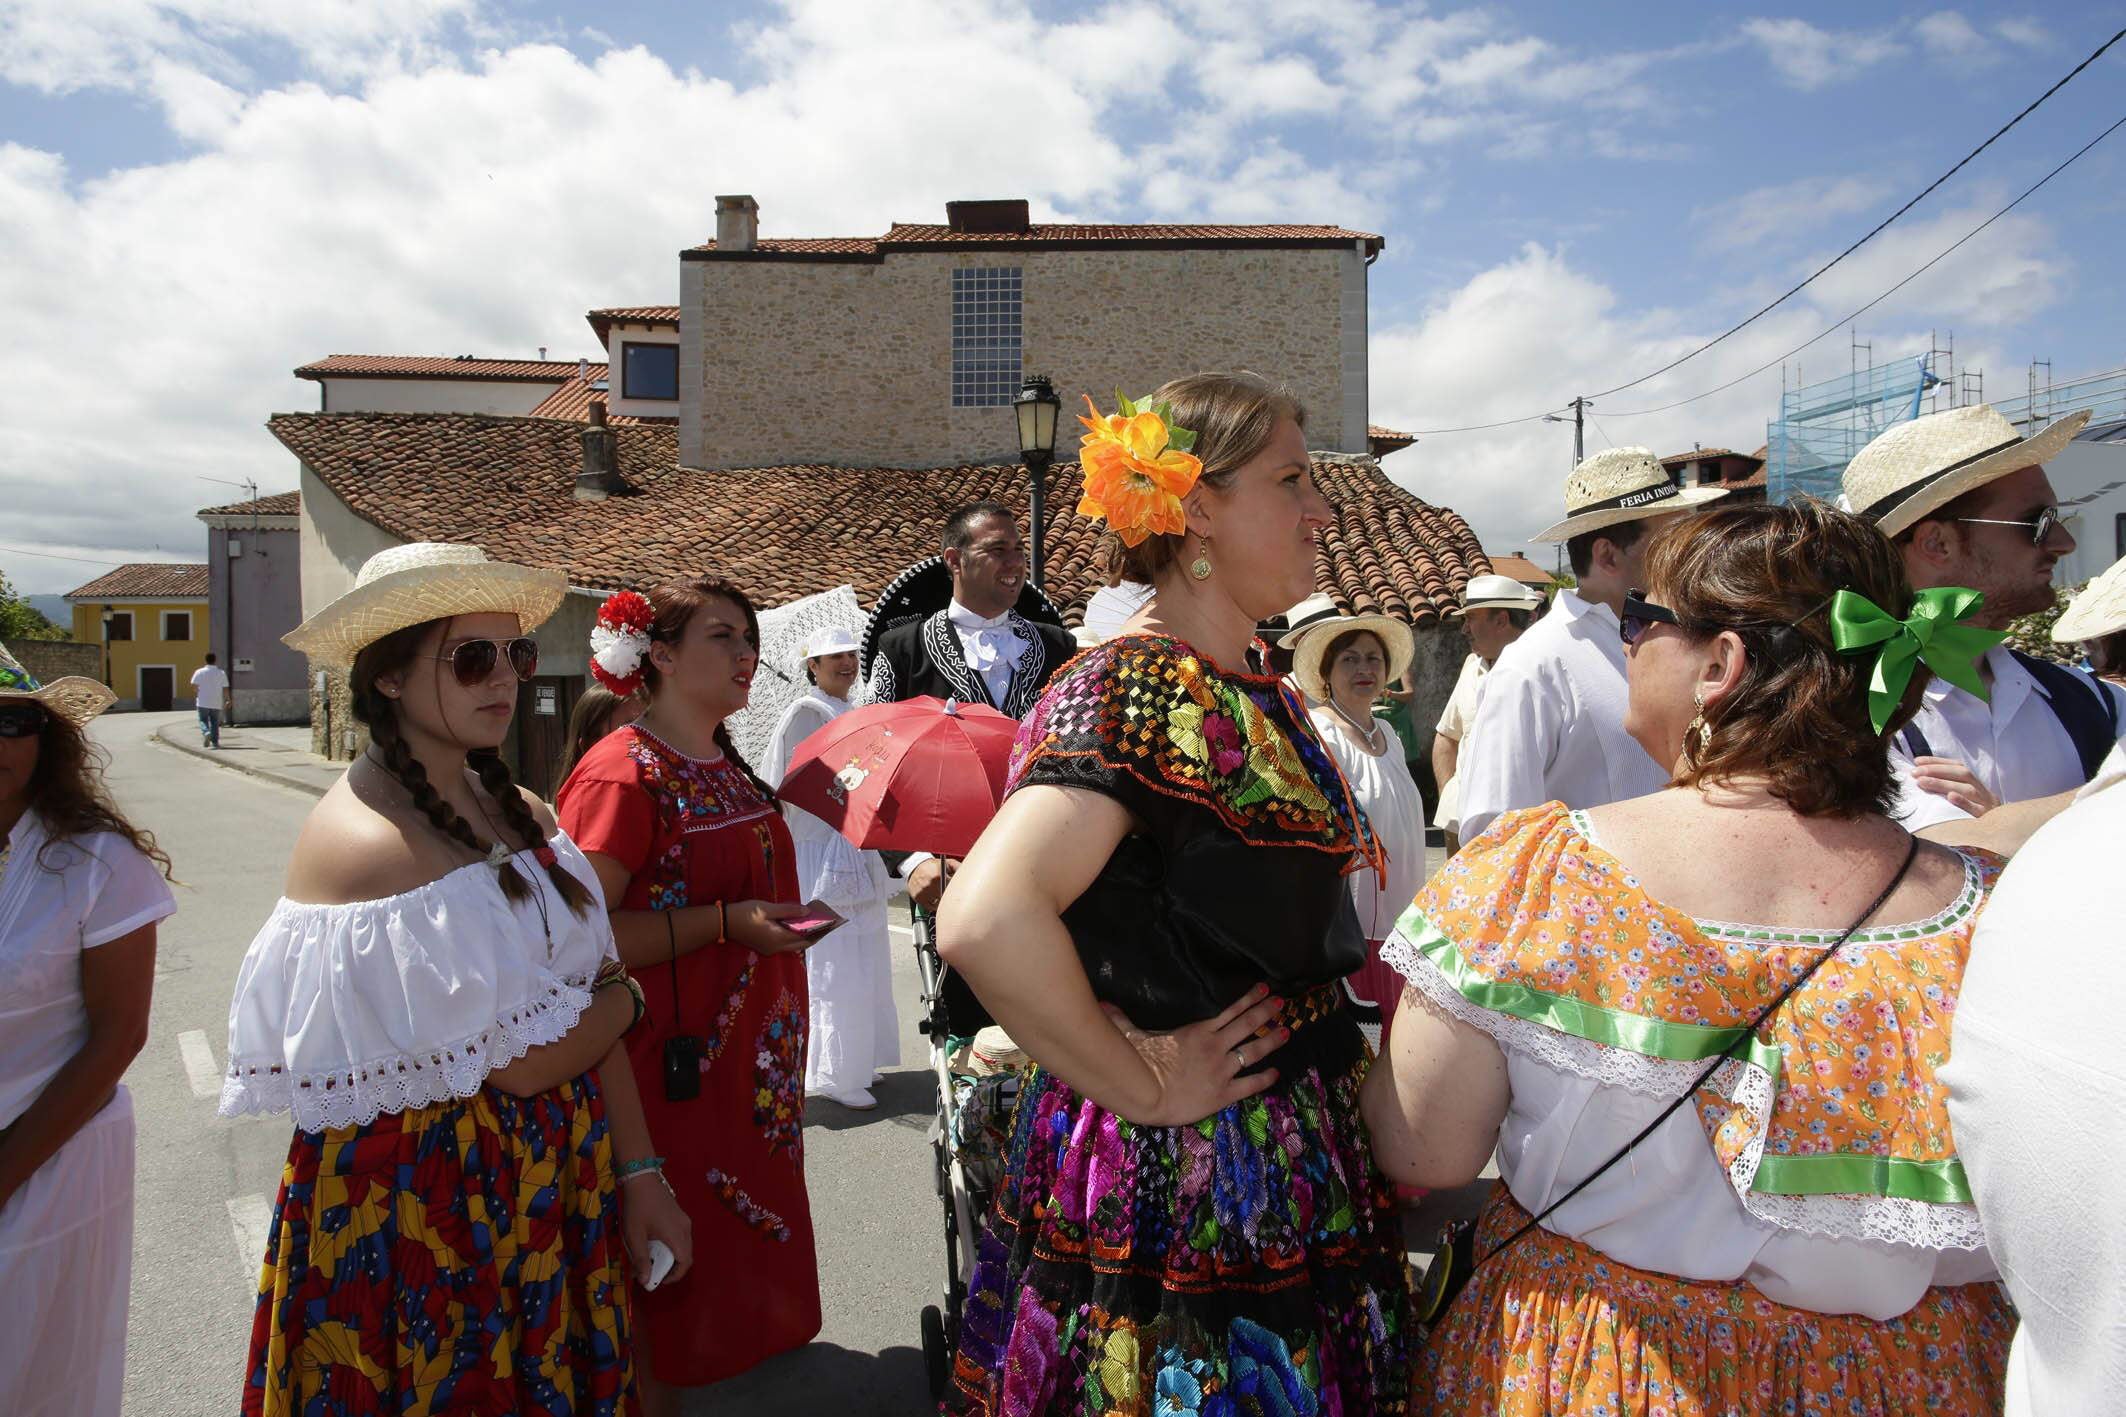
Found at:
[1254, 1261]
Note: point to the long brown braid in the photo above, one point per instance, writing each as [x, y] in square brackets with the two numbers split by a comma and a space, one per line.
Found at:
[372, 707]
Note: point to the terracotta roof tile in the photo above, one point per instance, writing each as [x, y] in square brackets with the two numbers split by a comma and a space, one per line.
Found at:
[1678, 459]
[171, 580]
[784, 532]
[909, 236]
[602, 321]
[422, 366]
[280, 504]
[573, 400]
[1515, 566]
[1382, 441]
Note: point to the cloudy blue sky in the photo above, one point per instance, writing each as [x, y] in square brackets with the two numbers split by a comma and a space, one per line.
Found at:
[196, 196]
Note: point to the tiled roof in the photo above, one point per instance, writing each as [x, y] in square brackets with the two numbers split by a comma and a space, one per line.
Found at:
[602, 321]
[422, 366]
[573, 400]
[1386, 440]
[908, 236]
[1515, 566]
[1696, 454]
[280, 504]
[172, 580]
[784, 532]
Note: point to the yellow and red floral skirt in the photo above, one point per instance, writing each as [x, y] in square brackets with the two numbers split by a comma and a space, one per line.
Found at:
[459, 1258]
[1552, 1327]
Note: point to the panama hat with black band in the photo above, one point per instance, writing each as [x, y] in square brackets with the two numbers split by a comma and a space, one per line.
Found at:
[1317, 623]
[1923, 465]
[1497, 593]
[1620, 485]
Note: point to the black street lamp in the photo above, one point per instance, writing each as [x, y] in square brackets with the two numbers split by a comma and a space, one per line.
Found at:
[1037, 407]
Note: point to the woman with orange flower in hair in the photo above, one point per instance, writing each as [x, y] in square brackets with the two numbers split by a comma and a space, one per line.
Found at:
[1190, 1218]
[699, 872]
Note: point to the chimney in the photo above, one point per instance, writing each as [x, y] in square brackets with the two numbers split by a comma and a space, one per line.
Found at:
[600, 477]
[737, 223]
[991, 216]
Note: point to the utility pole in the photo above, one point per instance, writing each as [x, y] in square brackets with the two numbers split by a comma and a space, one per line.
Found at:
[1579, 407]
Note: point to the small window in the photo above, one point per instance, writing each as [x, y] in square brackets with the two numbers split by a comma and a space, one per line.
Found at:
[649, 371]
[121, 625]
[986, 361]
[177, 625]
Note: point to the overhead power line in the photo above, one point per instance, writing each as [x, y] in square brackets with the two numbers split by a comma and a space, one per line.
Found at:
[49, 556]
[1848, 318]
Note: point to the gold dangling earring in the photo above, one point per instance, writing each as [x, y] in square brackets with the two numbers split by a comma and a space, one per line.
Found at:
[1200, 568]
[1698, 724]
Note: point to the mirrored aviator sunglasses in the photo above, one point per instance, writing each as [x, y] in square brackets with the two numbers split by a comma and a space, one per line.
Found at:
[472, 662]
[1640, 614]
[20, 720]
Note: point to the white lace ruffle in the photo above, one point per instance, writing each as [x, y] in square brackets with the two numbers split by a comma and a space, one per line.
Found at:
[1881, 1219]
[359, 1094]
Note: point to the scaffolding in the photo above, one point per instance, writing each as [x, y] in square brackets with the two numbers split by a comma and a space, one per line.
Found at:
[2104, 394]
[1821, 426]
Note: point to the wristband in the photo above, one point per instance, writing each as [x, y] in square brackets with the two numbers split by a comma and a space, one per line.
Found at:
[640, 1166]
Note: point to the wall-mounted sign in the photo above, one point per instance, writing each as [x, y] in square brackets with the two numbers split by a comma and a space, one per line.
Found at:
[547, 700]
[243, 666]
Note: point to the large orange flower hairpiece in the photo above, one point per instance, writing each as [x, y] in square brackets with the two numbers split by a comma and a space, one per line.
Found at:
[1137, 468]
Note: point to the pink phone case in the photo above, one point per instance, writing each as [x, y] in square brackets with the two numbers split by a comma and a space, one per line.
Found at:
[813, 924]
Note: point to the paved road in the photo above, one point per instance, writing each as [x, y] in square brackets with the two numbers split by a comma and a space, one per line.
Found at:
[206, 1184]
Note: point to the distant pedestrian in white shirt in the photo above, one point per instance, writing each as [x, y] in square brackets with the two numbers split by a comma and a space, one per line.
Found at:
[1965, 499]
[1495, 611]
[210, 695]
[1550, 722]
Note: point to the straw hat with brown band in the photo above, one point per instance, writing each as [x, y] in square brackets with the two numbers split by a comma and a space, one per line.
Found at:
[419, 582]
[1923, 465]
[73, 698]
[1316, 623]
[1622, 485]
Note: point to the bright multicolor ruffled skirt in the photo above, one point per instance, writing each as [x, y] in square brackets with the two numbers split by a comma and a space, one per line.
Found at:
[1252, 1263]
[460, 1258]
[1553, 1327]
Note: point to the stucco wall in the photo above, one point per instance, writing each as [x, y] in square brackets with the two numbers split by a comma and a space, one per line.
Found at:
[434, 395]
[2097, 472]
[263, 586]
[615, 398]
[148, 648]
[802, 362]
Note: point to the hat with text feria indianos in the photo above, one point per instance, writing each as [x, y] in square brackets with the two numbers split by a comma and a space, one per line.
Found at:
[419, 582]
[1622, 485]
[1921, 466]
[73, 698]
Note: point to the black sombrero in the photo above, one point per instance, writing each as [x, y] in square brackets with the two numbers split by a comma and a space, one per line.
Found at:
[922, 591]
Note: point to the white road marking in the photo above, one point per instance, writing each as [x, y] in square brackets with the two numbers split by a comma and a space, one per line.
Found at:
[250, 1217]
[199, 1063]
[902, 931]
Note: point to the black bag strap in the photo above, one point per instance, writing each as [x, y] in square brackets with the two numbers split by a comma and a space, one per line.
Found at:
[2084, 708]
[1911, 854]
[1915, 741]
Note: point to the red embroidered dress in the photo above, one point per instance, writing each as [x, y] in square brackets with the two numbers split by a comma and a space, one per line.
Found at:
[693, 832]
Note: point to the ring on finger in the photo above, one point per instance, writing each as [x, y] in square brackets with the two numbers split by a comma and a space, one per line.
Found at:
[1239, 1056]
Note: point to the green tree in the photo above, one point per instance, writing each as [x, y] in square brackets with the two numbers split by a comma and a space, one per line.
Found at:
[19, 620]
[2033, 633]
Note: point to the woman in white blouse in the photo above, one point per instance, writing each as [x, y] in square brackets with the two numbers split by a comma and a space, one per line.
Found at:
[81, 891]
[1341, 663]
[856, 1033]
[436, 998]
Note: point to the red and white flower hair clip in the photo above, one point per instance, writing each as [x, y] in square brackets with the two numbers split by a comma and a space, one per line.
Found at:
[620, 642]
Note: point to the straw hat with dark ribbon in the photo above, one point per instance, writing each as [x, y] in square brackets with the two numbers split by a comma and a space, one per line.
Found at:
[419, 582]
[1922, 465]
[1622, 485]
[73, 698]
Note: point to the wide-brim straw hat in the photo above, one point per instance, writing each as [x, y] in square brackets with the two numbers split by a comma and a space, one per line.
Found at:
[1622, 485]
[73, 698]
[2097, 610]
[419, 582]
[1924, 464]
[1316, 624]
[1497, 593]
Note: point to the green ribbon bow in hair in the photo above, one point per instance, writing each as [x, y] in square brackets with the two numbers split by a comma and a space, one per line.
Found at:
[1933, 632]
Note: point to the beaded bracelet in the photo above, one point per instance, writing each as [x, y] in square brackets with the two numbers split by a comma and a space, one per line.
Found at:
[641, 1166]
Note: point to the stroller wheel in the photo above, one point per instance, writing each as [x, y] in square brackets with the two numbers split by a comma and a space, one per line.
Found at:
[937, 1357]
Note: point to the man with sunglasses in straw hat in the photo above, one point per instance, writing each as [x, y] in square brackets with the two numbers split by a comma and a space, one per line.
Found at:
[1964, 496]
[1550, 718]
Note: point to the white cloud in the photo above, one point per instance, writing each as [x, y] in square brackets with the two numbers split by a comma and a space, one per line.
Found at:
[1947, 35]
[1782, 214]
[1809, 58]
[2025, 31]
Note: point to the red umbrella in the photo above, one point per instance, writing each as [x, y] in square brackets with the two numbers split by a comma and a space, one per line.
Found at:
[919, 775]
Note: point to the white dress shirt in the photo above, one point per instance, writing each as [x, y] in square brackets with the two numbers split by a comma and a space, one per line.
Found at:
[2034, 1078]
[1550, 722]
[2013, 742]
[1455, 721]
[991, 646]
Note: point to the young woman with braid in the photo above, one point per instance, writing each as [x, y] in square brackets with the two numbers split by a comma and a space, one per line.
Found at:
[437, 1000]
[698, 867]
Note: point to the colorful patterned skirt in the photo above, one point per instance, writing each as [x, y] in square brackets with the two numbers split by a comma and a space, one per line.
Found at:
[1553, 1327]
[460, 1258]
[1252, 1263]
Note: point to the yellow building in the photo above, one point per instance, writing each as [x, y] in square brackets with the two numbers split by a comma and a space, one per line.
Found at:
[151, 619]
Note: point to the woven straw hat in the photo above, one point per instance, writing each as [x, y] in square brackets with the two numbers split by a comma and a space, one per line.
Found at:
[1921, 465]
[2099, 609]
[1497, 593]
[419, 582]
[74, 698]
[1622, 485]
[1316, 623]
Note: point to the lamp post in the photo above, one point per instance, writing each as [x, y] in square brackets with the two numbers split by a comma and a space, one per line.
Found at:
[1037, 407]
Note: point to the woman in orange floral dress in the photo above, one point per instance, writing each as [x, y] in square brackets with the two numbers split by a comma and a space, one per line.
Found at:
[1798, 1236]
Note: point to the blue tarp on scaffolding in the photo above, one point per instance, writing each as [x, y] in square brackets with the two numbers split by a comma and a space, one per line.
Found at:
[1821, 426]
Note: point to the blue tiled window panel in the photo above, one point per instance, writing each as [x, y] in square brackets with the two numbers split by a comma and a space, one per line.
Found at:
[985, 336]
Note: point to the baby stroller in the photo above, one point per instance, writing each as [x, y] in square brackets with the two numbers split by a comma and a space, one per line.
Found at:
[978, 1075]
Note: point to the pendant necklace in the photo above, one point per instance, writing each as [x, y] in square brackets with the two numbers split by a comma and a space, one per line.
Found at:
[1369, 735]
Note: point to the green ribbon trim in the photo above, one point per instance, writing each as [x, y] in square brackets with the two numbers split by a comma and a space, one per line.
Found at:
[1940, 1182]
[1932, 634]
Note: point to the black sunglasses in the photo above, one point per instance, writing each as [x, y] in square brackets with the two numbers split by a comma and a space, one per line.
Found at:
[22, 720]
[2040, 527]
[473, 661]
[1640, 614]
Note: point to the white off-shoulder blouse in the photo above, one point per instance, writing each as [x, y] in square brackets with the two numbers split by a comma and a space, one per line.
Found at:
[345, 1012]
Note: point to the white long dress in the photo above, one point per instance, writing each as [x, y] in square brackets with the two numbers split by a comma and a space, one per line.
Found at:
[66, 1236]
[1389, 797]
[856, 1033]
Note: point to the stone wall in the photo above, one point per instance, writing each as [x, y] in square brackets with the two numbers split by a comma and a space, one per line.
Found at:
[1433, 670]
[847, 363]
[47, 660]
